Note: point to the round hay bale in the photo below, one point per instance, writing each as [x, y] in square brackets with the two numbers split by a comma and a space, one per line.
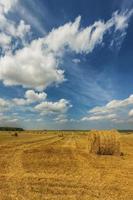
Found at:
[60, 135]
[15, 134]
[105, 142]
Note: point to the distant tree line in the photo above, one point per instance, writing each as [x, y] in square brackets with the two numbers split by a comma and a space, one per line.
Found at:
[126, 131]
[11, 129]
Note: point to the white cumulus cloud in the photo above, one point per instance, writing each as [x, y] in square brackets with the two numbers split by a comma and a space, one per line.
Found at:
[32, 66]
[4, 105]
[116, 111]
[30, 97]
[60, 106]
[10, 29]
[130, 113]
[100, 117]
[7, 5]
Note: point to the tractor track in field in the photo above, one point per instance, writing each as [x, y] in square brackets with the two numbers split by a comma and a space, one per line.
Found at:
[16, 172]
[16, 163]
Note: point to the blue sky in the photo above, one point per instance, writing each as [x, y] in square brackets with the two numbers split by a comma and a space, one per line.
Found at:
[66, 64]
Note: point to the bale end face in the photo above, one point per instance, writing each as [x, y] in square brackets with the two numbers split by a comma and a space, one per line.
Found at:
[105, 142]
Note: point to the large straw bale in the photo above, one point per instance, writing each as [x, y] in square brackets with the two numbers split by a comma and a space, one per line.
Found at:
[105, 142]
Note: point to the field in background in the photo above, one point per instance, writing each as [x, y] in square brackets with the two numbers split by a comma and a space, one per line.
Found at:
[49, 166]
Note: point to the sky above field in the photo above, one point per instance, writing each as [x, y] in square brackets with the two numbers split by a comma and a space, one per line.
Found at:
[66, 64]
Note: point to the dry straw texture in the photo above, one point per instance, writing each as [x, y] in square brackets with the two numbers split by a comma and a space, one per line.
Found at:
[105, 142]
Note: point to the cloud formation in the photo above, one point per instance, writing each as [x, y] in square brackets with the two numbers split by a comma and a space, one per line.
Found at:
[116, 111]
[130, 113]
[37, 65]
[10, 30]
[7, 5]
[39, 110]
[46, 107]
[30, 97]
[32, 66]
[4, 105]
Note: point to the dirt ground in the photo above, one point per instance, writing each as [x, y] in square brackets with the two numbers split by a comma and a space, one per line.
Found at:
[45, 166]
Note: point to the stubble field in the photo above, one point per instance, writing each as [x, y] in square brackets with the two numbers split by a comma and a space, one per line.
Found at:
[49, 166]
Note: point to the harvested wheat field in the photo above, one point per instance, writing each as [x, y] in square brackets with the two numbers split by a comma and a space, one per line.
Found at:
[53, 166]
